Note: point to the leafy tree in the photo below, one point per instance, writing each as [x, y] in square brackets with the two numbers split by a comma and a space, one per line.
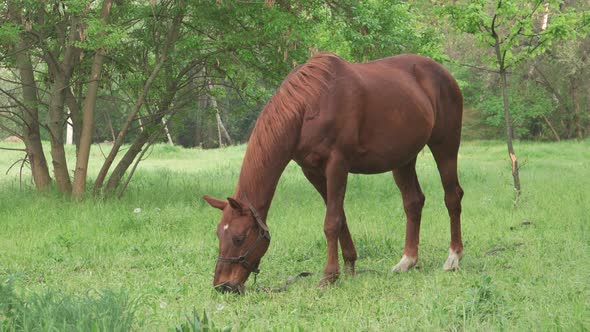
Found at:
[507, 30]
[125, 70]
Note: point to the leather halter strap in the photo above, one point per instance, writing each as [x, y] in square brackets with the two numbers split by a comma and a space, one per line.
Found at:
[263, 233]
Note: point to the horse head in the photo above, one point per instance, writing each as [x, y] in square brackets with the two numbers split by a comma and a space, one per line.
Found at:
[243, 240]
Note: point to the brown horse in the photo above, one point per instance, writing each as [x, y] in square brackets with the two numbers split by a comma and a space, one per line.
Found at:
[333, 118]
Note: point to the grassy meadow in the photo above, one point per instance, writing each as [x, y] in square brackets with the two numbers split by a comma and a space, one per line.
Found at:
[146, 261]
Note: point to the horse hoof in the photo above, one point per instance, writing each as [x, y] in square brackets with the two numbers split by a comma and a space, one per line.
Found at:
[325, 283]
[405, 264]
[452, 263]
[349, 270]
[327, 280]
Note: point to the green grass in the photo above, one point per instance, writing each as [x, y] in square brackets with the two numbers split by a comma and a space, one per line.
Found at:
[162, 258]
[51, 311]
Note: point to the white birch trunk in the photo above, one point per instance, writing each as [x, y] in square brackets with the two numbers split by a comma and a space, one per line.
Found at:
[69, 129]
[220, 127]
[545, 17]
[167, 131]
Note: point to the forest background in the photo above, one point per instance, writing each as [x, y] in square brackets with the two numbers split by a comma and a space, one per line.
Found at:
[197, 73]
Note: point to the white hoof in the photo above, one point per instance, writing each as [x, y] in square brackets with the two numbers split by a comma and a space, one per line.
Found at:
[405, 264]
[452, 263]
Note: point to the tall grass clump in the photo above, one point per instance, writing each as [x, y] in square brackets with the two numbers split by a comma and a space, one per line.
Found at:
[51, 311]
[198, 323]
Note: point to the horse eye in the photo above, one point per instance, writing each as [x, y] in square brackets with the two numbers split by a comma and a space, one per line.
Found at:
[238, 240]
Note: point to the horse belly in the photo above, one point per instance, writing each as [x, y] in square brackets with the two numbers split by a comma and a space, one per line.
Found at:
[375, 162]
[391, 139]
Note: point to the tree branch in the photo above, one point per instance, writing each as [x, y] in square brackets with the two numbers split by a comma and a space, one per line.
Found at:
[11, 131]
[4, 115]
[12, 149]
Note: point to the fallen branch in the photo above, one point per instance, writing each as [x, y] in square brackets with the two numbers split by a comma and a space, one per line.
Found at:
[497, 250]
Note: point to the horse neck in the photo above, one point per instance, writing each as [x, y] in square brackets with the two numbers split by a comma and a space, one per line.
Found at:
[269, 150]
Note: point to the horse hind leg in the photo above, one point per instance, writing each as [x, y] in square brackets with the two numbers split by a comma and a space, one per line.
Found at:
[445, 156]
[413, 199]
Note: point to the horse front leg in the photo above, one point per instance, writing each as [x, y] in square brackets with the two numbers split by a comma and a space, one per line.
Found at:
[318, 180]
[336, 178]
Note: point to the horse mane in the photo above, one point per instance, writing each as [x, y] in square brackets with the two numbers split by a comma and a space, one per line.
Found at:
[302, 86]
[277, 128]
[297, 94]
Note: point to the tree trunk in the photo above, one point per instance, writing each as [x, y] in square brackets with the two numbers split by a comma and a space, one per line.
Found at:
[61, 72]
[511, 153]
[156, 125]
[170, 40]
[75, 116]
[31, 133]
[144, 136]
[110, 124]
[552, 128]
[545, 17]
[141, 128]
[123, 132]
[56, 121]
[220, 127]
[508, 122]
[69, 129]
[218, 120]
[30, 111]
[83, 154]
[588, 109]
[577, 117]
[167, 131]
[125, 162]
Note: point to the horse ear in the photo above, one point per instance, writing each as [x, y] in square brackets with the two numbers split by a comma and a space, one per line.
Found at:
[214, 202]
[235, 205]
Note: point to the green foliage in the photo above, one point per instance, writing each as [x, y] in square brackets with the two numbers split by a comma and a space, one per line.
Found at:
[513, 23]
[244, 50]
[510, 38]
[98, 35]
[368, 30]
[9, 33]
[528, 104]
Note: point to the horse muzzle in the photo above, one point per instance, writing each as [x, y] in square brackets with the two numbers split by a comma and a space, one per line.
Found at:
[230, 287]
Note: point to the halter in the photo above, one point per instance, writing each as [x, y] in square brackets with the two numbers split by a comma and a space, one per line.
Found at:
[263, 233]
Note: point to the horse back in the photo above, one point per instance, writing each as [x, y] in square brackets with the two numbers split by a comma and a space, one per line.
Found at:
[438, 85]
[379, 114]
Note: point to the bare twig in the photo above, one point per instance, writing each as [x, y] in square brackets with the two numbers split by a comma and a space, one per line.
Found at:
[497, 250]
[11, 131]
[20, 173]
[102, 152]
[6, 115]
[24, 161]
[12, 165]
[13, 149]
